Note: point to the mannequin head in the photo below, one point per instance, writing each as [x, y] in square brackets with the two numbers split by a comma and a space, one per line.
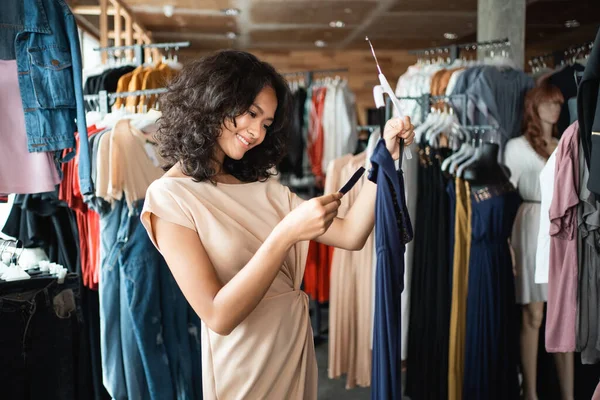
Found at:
[542, 110]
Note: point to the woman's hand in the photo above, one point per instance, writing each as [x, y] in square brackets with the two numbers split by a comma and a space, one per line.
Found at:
[312, 218]
[395, 130]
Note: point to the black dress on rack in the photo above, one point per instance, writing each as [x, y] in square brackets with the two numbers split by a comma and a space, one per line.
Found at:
[428, 336]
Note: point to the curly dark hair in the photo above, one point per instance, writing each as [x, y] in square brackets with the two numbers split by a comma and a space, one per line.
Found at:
[203, 96]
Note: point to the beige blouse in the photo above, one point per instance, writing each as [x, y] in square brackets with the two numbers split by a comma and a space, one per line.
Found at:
[270, 355]
[127, 164]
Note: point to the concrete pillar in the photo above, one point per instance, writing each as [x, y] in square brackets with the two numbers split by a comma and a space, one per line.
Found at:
[499, 19]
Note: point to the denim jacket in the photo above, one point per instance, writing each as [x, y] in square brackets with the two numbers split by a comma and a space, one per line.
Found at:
[42, 36]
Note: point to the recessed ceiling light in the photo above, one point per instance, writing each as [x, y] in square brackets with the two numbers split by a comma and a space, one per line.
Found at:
[231, 35]
[337, 24]
[572, 23]
[168, 10]
[348, 10]
[450, 35]
[320, 43]
[231, 11]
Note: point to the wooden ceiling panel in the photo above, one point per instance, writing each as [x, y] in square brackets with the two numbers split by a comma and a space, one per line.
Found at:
[295, 36]
[426, 26]
[297, 24]
[557, 12]
[547, 40]
[305, 12]
[435, 5]
[189, 4]
[194, 23]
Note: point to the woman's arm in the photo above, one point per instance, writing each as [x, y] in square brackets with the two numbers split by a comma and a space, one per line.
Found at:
[221, 306]
[352, 231]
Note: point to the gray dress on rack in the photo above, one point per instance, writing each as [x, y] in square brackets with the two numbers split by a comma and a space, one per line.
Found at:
[588, 256]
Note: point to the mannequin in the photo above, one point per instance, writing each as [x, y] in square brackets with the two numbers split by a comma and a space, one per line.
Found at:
[526, 156]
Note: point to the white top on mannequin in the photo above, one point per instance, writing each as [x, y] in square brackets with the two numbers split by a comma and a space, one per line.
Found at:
[542, 257]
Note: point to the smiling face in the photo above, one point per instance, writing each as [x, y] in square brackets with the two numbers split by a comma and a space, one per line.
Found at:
[250, 128]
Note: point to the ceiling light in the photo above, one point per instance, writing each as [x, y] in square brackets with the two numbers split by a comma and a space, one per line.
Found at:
[231, 35]
[232, 12]
[450, 35]
[337, 24]
[320, 43]
[168, 11]
[348, 10]
[572, 23]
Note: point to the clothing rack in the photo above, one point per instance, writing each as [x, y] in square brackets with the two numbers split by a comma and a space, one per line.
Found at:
[425, 102]
[453, 50]
[138, 49]
[559, 56]
[309, 74]
[104, 98]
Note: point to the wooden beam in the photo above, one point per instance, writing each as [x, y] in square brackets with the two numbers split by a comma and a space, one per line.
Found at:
[91, 10]
[113, 35]
[87, 26]
[128, 34]
[117, 25]
[104, 29]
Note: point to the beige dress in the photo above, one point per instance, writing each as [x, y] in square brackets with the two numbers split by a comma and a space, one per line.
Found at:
[270, 355]
[350, 309]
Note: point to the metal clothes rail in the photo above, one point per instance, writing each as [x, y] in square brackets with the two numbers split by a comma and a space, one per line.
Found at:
[103, 98]
[309, 74]
[425, 102]
[453, 50]
[138, 49]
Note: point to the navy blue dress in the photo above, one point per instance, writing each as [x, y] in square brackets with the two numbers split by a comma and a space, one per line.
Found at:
[492, 339]
[393, 231]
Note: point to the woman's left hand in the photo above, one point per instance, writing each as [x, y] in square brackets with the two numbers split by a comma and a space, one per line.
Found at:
[395, 130]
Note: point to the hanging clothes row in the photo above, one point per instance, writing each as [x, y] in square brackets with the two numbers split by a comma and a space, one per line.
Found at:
[125, 163]
[565, 75]
[434, 308]
[326, 126]
[493, 87]
[130, 79]
[567, 256]
[41, 108]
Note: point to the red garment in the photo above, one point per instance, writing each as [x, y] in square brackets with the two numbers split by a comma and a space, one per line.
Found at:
[317, 272]
[88, 221]
[315, 136]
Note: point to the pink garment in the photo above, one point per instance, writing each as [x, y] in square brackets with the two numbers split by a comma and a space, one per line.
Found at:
[562, 279]
[596, 395]
[20, 171]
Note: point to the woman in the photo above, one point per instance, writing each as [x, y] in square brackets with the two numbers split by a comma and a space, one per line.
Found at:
[235, 240]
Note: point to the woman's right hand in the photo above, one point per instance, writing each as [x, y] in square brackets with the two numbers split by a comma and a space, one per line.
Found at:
[312, 218]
